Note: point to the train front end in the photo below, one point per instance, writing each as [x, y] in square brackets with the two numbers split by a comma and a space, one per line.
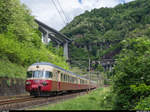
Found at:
[39, 82]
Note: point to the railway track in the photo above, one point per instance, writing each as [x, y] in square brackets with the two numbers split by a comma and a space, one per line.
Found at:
[13, 103]
[16, 100]
[29, 102]
[13, 97]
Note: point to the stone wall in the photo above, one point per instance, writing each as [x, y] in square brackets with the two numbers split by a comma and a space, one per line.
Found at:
[9, 86]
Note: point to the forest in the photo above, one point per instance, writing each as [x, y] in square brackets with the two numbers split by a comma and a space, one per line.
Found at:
[20, 41]
[100, 32]
[97, 34]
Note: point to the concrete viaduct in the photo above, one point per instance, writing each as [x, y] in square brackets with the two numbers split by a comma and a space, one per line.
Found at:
[50, 34]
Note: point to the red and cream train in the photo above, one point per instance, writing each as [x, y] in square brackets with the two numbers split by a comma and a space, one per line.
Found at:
[44, 79]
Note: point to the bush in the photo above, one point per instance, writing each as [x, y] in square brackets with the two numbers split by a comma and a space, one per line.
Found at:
[13, 70]
[144, 104]
[131, 79]
[20, 40]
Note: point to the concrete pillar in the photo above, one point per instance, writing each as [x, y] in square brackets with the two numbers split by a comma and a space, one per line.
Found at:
[90, 47]
[85, 47]
[66, 51]
[42, 38]
[101, 46]
[104, 68]
[110, 68]
[46, 37]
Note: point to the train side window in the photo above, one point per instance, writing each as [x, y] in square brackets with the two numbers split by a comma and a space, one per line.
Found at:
[29, 74]
[48, 74]
[61, 77]
[65, 78]
[75, 80]
[71, 80]
[68, 79]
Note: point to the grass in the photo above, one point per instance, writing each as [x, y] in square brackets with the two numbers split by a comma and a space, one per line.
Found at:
[95, 100]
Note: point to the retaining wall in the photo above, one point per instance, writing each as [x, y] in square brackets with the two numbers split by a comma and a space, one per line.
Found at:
[9, 86]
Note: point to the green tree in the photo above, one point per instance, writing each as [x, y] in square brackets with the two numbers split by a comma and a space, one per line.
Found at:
[131, 72]
[21, 40]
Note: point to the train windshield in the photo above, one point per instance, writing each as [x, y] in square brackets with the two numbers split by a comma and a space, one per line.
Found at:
[39, 74]
[35, 74]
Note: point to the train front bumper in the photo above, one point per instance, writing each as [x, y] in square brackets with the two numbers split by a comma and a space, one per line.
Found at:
[41, 85]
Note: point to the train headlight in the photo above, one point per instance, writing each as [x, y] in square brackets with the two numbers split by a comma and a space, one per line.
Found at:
[28, 83]
[44, 83]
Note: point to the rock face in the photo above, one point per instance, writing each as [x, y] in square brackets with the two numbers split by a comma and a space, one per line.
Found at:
[9, 86]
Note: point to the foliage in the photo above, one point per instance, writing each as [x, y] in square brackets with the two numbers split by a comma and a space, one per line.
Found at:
[103, 29]
[20, 39]
[99, 68]
[78, 71]
[12, 70]
[96, 100]
[58, 51]
[131, 80]
[143, 104]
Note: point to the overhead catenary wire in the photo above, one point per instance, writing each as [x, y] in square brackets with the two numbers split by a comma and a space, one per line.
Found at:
[122, 1]
[58, 11]
[62, 11]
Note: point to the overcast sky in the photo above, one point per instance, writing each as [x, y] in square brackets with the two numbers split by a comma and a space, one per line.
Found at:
[46, 12]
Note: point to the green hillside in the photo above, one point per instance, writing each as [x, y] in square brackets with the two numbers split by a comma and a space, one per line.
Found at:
[122, 33]
[20, 41]
[98, 33]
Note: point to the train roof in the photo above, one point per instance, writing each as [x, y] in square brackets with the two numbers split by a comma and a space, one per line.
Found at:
[50, 64]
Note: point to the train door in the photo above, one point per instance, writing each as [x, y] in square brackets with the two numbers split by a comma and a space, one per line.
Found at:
[54, 82]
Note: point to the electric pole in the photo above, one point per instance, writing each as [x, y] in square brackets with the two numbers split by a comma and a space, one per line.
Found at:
[89, 72]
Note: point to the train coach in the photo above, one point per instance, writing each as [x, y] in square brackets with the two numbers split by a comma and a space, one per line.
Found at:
[44, 79]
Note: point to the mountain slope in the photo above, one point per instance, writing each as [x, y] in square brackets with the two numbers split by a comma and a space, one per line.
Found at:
[97, 34]
[21, 41]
